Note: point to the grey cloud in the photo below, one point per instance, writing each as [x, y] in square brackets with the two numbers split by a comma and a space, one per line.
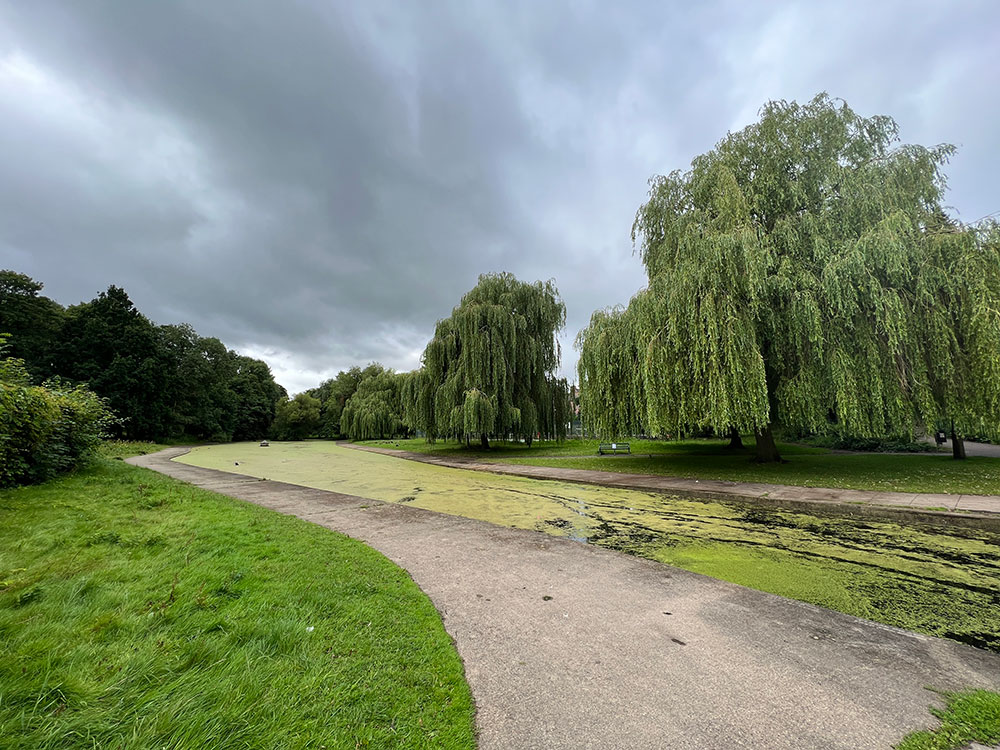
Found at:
[319, 182]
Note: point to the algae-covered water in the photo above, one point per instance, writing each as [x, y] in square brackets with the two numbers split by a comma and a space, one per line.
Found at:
[932, 580]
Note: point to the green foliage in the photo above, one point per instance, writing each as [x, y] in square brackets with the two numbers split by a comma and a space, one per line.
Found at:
[111, 346]
[199, 397]
[31, 320]
[334, 395]
[140, 612]
[164, 381]
[257, 398]
[612, 386]
[804, 273]
[901, 444]
[297, 418]
[44, 430]
[972, 716]
[489, 368]
[374, 410]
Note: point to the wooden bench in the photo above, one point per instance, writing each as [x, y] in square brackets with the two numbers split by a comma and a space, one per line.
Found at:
[613, 448]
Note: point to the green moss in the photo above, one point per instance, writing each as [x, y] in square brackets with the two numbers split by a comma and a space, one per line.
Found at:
[930, 580]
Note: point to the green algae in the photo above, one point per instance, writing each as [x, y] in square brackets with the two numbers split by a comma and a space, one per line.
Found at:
[932, 580]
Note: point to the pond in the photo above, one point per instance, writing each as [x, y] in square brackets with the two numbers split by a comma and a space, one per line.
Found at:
[928, 579]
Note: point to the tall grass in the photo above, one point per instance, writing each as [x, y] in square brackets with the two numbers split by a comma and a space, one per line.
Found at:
[139, 612]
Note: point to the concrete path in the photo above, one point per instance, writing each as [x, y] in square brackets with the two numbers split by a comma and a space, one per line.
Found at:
[570, 646]
[956, 507]
[973, 449]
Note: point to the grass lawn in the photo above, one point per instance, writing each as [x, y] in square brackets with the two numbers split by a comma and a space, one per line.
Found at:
[140, 612]
[711, 459]
[969, 717]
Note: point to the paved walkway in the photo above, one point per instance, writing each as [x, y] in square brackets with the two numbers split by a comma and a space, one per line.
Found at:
[971, 448]
[984, 508]
[570, 646]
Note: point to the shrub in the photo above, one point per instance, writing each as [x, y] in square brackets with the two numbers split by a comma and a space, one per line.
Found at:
[46, 429]
[889, 444]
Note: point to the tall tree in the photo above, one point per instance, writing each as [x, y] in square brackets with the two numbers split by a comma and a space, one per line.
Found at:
[257, 398]
[199, 393]
[800, 274]
[334, 394]
[297, 418]
[374, 410]
[490, 364]
[108, 344]
[612, 388]
[31, 320]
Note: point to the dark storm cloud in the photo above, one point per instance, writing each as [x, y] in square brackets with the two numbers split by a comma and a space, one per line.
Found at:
[318, 182]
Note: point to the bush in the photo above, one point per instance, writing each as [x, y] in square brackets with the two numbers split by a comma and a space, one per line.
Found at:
[901, 444]
[45, 430]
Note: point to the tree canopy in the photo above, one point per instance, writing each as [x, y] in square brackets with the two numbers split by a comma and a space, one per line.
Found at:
[163, 381]
[374, 409]
[297, 418]
[804, 272]
[31, 320]
[334, 394]
[489, 369]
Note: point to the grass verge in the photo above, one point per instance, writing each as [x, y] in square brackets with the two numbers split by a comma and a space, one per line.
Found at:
[121, 449]
[969, 717]
[140, 612]
[857, 471]
[710, 459]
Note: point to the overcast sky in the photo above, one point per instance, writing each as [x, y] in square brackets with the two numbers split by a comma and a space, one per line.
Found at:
[316, 183]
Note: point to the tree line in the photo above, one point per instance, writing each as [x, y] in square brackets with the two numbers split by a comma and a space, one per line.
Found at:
[161, 381]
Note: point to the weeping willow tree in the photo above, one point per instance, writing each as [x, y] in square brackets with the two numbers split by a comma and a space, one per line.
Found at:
[488, 371]
[612, 388]
[804, 273]
[375, 409]
[416, 396]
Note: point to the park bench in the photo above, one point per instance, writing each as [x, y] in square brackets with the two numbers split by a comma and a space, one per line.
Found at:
[613, 448]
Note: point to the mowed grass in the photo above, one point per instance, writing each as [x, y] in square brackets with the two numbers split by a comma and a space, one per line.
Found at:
[711, 459]
[140, 612]
[972, 716]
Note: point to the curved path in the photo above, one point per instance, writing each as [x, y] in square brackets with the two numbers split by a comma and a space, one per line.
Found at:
[978, 510]
[568, 645]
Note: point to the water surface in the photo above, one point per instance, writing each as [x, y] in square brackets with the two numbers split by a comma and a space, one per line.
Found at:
[926, 579]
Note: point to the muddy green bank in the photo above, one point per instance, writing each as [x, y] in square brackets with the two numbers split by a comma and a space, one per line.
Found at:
[931, 580]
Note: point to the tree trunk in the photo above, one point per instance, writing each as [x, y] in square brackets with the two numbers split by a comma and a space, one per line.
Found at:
[735, 441]
[957, 444]
[484, 441]
[767, 451]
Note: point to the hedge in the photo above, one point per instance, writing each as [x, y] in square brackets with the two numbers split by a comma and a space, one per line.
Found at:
[45, 429]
